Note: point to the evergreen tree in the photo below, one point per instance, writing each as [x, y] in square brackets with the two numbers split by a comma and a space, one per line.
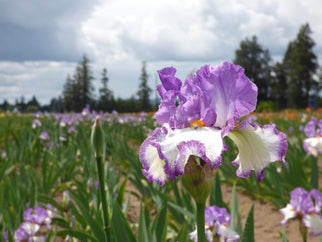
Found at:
[68, 94]
[279, 84]
[33, 102]
[84, 86]
[78, 91]
[105, 95]
[301, 65]
[256, 62]
[144, 90]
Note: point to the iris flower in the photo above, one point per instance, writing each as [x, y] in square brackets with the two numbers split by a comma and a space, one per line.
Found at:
[217, 219]
[196, 115]
[301, 204]
[34, 218]
[313, 144]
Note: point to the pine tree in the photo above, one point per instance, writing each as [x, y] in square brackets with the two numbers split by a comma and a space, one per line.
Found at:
[78, 91]
[256, 62]
[279, 84]
[83, 78]
[144, 90]
[67, 94]
[105, 95]
[301, 65]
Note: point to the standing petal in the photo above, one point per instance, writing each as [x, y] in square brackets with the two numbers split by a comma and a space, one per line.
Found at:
[309, 129]
[258, 146]
[230, 93]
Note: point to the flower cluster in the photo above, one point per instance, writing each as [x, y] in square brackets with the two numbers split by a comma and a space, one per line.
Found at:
[301, 205]
[313, 144]
[196, 115]
[34, 218]
[217, 222]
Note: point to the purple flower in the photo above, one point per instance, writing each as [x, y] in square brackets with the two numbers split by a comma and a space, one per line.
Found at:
[36, 123]
[217, 221]
[313, 144]
[37, 215]
[71, 129]
[196, 115]
[302, 205]
[86, 111]
[44, 135]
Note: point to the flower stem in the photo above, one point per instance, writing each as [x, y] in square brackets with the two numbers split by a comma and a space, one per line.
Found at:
[201, 222]
[100, 171]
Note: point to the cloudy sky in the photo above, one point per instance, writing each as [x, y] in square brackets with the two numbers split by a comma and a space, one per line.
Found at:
[41, 41]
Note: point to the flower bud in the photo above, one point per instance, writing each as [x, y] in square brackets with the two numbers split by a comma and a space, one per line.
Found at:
[97, 138]
[198, 179]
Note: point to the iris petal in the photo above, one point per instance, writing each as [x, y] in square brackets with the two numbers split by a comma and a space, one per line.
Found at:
[288, 213]
[258, 146]
[313, 146]
[314, 222]
[170, 149]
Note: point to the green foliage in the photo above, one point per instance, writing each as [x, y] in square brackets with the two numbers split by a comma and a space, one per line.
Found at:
[256, 62]
[301, 65]
[267, 106]
[78, 91]
[144, 90]
[33, 173]
[248, 234]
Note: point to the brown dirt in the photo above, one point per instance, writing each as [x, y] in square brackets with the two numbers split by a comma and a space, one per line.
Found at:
[266, 217]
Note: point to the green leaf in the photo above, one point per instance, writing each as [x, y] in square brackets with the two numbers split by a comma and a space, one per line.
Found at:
[120, 192]
[96, 228]
[248, 234]
[315, 174]
[159, 226]
[143, 229]
[235, 223]
[120, 227]
[216, 195]
[182, 211]
[82, 236]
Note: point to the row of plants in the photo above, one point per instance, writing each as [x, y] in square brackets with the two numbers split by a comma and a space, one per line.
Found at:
[48, 167]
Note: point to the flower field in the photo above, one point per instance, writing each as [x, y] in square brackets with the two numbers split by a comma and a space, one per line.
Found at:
[48, 176]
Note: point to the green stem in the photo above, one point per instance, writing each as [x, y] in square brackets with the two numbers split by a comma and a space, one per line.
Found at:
[100, 171]
[303, 231]
[201, 222]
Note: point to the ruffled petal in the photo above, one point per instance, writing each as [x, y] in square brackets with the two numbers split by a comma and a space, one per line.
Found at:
[258, 146]
[168, 79]
[309, 128]
[227, 233]
[314, 222]
[313, 146]
[230, 93]
[288, 212]
[317, 199]
[165, 152]
[301, 201]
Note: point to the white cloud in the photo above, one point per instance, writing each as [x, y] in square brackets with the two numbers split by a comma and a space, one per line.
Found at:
[119, 34]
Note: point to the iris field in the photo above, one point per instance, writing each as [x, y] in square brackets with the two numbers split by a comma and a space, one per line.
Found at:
[47, 161]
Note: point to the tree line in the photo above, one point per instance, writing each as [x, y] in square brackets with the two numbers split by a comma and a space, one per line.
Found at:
[295, 81]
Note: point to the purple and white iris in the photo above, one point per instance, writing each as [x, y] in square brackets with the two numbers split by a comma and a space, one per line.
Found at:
[301, 204]
[197, 114]
[34, 218]
[217, 221]
[313, 144]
